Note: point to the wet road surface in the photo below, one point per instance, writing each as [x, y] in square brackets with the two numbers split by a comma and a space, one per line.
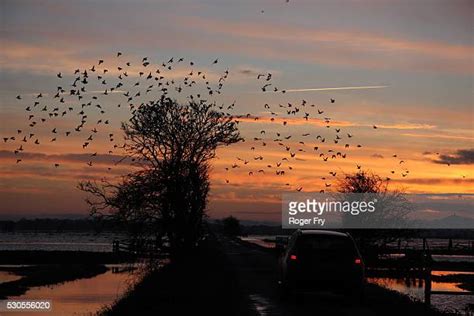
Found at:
[257, 272]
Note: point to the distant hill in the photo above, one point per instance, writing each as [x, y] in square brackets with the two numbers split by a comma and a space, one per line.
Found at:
[453, 222]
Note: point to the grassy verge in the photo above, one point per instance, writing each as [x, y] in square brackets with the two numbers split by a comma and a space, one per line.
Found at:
[203, 285]
[42, 275]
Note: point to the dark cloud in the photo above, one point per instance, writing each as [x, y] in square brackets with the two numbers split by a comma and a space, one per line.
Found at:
[377, 156]
[460, 157]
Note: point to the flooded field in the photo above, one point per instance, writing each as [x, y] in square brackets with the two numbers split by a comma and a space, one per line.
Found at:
[6, 276]
[415, 288]
[70, 241]
[78, 297]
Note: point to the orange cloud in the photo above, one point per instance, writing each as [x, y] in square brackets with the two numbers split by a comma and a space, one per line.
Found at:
[41, 59]
[334, 123]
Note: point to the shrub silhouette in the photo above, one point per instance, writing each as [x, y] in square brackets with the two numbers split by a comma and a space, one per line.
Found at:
[231, 226]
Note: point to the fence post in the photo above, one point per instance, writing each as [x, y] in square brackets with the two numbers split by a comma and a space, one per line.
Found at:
[115, 246]
[428, 286]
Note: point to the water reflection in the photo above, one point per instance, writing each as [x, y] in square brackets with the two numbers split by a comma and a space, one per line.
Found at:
[81, 297]
[6, 276]
[415, 287]
[444, 273]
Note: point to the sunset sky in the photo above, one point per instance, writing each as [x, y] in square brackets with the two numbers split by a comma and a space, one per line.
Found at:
[418, 57]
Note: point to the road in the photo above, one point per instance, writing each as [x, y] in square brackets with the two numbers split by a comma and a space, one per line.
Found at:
[257, 272]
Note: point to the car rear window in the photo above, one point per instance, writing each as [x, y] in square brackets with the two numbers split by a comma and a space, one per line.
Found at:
[325, 244]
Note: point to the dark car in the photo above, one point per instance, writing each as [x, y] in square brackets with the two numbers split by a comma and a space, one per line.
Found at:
[321, 260]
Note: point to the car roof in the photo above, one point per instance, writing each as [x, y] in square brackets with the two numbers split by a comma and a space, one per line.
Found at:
[322, 232]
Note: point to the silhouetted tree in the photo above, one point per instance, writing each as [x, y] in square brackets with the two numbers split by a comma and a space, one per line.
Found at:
[172, 144]
[167, 131]
[392, 207]
[231, 226]
[362, 182]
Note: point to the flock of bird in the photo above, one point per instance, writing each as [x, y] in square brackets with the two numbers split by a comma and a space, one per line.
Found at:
[83, 96]
[312, 145]
[76, 99]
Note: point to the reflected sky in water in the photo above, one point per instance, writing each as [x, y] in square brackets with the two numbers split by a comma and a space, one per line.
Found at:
[6, 276]
[415, 289]
[80, 297]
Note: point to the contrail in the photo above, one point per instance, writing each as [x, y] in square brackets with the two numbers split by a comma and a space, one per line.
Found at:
[337, 88]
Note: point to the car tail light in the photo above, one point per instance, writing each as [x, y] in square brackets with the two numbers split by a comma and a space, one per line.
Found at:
[358, 261]
[293, 257]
